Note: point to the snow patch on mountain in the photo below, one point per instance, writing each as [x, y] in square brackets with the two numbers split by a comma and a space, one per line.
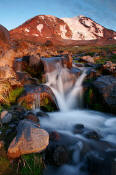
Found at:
[35, 34]
[63, 31]
[27, 30]
[40, 27]
[83, 28]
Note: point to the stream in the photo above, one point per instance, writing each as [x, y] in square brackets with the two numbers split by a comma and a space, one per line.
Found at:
[90, 136]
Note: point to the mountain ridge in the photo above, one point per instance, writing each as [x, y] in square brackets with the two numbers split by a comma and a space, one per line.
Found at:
[48, 27]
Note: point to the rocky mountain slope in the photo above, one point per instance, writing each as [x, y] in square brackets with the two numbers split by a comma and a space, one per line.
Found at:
[47, 27]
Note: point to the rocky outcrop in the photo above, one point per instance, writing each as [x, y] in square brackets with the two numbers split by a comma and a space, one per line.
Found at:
[105, 87]
[4, 35]
[4, 40]
[29, 139]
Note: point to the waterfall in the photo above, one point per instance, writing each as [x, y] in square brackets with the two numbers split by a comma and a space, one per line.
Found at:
[67, 91]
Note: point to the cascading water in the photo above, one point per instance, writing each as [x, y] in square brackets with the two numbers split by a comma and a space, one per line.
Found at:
[36, 102]
[69, 94]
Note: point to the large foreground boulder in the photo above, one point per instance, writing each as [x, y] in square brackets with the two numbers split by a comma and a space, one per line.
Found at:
[29, 139]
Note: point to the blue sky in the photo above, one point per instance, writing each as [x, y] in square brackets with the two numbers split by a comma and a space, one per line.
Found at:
[15, 12]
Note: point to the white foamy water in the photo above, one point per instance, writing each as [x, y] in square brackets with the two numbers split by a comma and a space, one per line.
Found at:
[68, 93]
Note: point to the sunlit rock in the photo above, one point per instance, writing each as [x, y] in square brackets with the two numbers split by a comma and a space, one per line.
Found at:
[29, 139]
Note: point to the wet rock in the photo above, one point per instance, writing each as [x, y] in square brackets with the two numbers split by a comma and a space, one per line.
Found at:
[95, 163]
[54, 136]
[6, 117]
[50, 64]
[101, 163]
[60, 156]
[29, 139]
[31, 116]
[92, 135]
[105, 88]
[42, 114]
[78, 129]
[57, 155]
[38, 97]
[92, 74]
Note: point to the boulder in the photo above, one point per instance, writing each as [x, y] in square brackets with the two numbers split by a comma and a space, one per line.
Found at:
[109, 68]
[101, 163]
[6, 117]
[105, 88]
[60, 156]
[88, 59]
[78, 128]
[54, 136]
[57, 155]
[29, 139]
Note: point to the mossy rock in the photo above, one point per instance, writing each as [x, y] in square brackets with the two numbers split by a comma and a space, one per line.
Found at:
[92, 100]
[39, 97]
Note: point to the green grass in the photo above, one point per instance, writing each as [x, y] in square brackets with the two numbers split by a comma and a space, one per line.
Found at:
[88, 49]
[14, 94]
[32, 164]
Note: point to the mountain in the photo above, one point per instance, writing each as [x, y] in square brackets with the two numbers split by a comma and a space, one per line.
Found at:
[46, 27]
